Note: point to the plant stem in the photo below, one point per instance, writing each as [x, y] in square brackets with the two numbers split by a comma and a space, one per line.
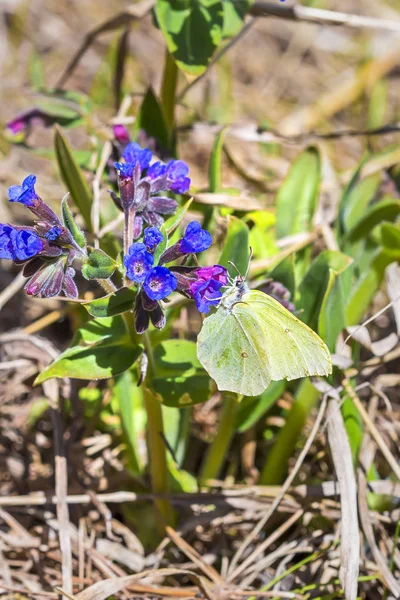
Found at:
[168, 92]
[217, 452]
[156, 445]
[276, 465]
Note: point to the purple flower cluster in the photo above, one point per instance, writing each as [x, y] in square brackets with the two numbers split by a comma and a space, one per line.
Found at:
[47, 250]
[141, 186]
[157, 281]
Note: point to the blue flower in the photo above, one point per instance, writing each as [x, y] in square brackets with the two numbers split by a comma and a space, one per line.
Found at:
[152, 237]
[6, 244]
[53, 234]
[159, 283]
[177, 173]
[172, 176]
[26, 244]
[206, 294]
[138, 262]
[24, 193]
[125, 170]
[195, 239]
[133, 153]
[156, 170]
[206, 289]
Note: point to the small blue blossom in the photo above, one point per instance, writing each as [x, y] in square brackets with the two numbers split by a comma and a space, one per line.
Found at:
[125, 170]
[159, 283]
[24, 193]
[6, 244]
[138, 262]
[206, 294]
[177, 173]
[133, 153]
[195, 239]
[152, 237]
[206, 289]
[156, 170]
[26, 245]
[53, 234]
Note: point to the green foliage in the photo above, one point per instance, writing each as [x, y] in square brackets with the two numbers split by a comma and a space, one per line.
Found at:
[152, 120]
[73, 177]
[100, 349]
[98, 265]
[180, 379]
[234, 14]
[113, 304]
[252, 408]
[297, 198]
[192, 30]
[236, 247]
[71, 225]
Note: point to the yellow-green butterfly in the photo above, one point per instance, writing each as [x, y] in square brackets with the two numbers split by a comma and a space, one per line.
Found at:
[252, 340]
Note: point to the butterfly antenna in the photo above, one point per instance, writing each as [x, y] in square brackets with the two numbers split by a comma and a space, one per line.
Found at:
[235, 267]
[248, 264]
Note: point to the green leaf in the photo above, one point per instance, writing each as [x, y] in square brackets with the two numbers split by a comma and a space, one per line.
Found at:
[151, 119]
[298, 195]
[69, 222]
[356, 199]
[173, 222]
[364, 288]
[284, 273]
[390, 236]
[192, 30]
[317, 284]
[180, 379]
[130, 407]
[114, 304]
[236, 247]
[99, 265]
[73, 178]
[234, 14]
[100, 349]
[384, 210]
[215, 167]
[252, 408]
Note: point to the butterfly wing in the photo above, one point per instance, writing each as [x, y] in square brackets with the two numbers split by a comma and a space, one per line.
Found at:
[226, 347]
[256, 341]
[294, 350]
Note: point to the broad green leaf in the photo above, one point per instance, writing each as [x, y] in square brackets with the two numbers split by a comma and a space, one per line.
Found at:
[99, 265]
[234, 14]
[298, 195]
[365, 287]
[390, 236]
[130, 407]
[252, 408]
[262, 233]
[180, 379]
[317, 282]
[236, 247]
[100, 349]
[151, 119]
[384, 210]
[284, 273]
[192, 30]
[332, 319]
[69, 222]
[73, 178]
[113, 304]
[356, 199]
[215, 167]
